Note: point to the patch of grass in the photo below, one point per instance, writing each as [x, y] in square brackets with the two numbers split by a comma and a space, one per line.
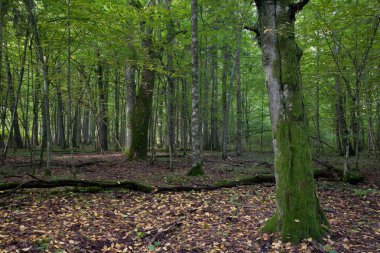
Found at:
[364, 192]
[196, 171]
[42, 243]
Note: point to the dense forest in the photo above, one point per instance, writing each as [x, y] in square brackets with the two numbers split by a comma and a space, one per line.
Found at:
[189, 126]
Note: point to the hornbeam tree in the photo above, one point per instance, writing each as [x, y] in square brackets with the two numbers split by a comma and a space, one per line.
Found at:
[298, 214]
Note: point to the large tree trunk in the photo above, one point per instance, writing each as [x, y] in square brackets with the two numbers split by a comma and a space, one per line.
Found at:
[141, 115]
[298, 214]
[195, 116]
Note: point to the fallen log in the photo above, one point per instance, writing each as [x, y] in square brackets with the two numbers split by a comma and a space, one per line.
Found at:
[258, 179]
[77, 183]
[352, 177]
[134, 186]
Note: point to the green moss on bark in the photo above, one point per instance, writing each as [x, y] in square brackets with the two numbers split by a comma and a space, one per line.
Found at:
[298, 213]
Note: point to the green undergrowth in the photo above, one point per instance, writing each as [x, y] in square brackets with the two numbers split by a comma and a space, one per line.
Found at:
[196, 170]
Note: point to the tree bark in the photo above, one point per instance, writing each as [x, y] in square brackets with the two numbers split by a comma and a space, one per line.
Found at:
[206, 103]
[14, 138]
[103, 107]
[130, 101]
[214, 136]
[171, 88]
[85, 128]
[117, 109]
[239, 112]
[228, 98]
[141, 115]
[43, 68]
[60, 118]
[298, 214]
[195, 117]
[184, 116]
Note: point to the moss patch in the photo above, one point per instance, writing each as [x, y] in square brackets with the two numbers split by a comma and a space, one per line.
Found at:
[196, 170]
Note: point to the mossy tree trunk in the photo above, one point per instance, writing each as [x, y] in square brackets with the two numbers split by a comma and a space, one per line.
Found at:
[298, 214]
[141, 114]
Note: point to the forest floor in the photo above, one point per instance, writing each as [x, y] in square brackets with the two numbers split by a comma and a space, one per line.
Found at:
[225, 220]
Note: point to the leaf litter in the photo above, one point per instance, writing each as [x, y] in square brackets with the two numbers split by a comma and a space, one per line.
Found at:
[226, 220]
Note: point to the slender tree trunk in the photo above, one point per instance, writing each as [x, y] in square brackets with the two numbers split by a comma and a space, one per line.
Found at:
[85, 128]
[103, 106]
[60, 118]
[378, 122]
[14, 138]
[29, 6]
[2, 93]
[341, 119]
[195, 117]
[36, 103]
[228, 98]
[17, 141]
[316, 115]
[117, 108]
[214, 137]
[224, 93]
[298, 214]
[206, 106]
[184, 115]
[130, 102]
[171, 87]
[69, 92]
[239, 113]
[75, 140]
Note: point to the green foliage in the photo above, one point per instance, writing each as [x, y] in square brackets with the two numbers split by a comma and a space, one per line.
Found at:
[42, 243]
[196, 170]
[152, 247]
[364, 192]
